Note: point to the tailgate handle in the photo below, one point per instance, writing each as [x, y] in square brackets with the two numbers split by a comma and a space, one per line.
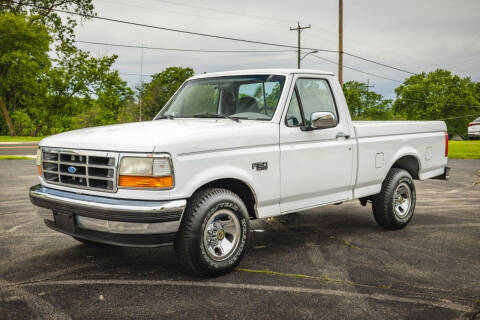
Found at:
[343, 135]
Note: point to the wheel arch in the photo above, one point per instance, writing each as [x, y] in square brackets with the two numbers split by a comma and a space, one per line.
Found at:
[410, 163]
[240, 188]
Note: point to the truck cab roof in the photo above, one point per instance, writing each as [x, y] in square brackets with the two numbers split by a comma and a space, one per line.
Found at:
[285, 71]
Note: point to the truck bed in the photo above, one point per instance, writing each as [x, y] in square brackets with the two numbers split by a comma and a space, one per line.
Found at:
[365, 129]
[381, 144]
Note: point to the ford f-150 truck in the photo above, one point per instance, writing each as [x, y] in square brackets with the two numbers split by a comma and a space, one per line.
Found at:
[228, 148]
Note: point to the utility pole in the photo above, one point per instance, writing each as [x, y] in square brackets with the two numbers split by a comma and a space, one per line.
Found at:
[299, 30]
[368, 86]
[340, 42]
[141, 84]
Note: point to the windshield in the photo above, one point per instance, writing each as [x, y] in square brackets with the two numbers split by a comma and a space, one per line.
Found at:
[253, 97]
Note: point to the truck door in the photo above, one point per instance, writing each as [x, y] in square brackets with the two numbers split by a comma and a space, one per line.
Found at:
[316, 165]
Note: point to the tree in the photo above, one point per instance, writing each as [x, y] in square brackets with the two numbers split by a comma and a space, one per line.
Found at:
[78, 91]
[83, 92]
[44, 11]
[439, 95]
[366, 105]
[23, 62]
[163, 85]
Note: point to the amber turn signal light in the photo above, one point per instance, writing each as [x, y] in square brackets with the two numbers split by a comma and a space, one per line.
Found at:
[145, 182]
[39, 169]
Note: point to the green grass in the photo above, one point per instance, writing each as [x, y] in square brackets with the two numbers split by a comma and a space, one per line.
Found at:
[469, 149]
[14, 158]
[19, 139]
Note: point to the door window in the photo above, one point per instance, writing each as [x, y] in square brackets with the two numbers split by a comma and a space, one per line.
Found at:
[315, 96]
[294, 115]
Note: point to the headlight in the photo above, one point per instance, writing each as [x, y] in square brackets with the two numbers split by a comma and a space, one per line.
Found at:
[39, 161]
[142, 172]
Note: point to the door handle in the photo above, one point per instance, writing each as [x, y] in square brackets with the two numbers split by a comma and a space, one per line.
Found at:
[342, 135]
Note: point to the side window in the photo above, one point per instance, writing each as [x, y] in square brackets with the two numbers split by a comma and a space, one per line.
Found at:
[315, 96]
[294, 116]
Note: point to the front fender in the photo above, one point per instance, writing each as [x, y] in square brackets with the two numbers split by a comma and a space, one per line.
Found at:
[203, 177]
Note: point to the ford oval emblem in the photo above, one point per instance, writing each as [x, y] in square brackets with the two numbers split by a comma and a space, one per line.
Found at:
[72, 169]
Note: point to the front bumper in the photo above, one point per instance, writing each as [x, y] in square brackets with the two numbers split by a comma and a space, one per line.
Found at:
[137, 223]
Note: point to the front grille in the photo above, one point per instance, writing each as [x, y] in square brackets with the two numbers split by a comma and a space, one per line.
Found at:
[80, 169]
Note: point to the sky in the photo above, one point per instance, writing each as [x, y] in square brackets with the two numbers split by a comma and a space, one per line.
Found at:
[414, 35]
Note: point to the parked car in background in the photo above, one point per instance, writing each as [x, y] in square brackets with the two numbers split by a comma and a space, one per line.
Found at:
[474, 129]
[228, 148]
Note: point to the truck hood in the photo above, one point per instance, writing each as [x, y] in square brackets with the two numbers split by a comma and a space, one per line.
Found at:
[175, 136]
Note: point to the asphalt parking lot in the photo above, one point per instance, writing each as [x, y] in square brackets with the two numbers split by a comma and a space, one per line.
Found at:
[333, 262]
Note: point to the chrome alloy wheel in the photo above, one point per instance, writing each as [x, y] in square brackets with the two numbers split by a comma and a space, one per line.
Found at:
[402, 199]
[221, 235]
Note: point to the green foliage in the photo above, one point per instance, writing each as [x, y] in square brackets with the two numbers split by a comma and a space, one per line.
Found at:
[439, 95]
[23, 63]
[37, 98]
[77, 91]
[366, 105]
[22, 123]
[84, 92]
[163, 85]
[271, 95]
[43, 11]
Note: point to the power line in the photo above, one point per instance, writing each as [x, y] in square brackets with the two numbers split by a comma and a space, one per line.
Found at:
[469, 115]
[172, 29]
[445, 104]
[253, 51]
[135, 74]
[179, 49]
[241, 14]
[224, 11]
[376, 75]
[355, 69]
[184, 13]
[379, 63]
[207, 35]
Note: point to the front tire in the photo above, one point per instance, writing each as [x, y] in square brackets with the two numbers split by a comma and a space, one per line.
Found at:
[214, 232]
[394, 206]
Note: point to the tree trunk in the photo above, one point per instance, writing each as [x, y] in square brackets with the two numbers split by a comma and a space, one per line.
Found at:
[7, 118]
[34, 133]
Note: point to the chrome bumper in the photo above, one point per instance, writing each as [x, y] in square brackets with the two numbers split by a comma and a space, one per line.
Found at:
[111, 220]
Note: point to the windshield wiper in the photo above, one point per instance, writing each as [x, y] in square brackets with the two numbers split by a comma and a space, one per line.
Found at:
[215, 115]
[169, 116]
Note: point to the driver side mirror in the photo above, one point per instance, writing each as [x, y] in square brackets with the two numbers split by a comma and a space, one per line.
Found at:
[323, 120]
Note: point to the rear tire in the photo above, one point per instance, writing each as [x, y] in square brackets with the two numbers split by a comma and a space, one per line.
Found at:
[394, 206]
[214, 233]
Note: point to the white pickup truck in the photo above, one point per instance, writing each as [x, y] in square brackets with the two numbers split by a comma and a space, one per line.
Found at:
[227, 148]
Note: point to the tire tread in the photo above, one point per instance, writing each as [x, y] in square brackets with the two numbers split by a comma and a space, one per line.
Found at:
[185, 236]
[381, 202]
